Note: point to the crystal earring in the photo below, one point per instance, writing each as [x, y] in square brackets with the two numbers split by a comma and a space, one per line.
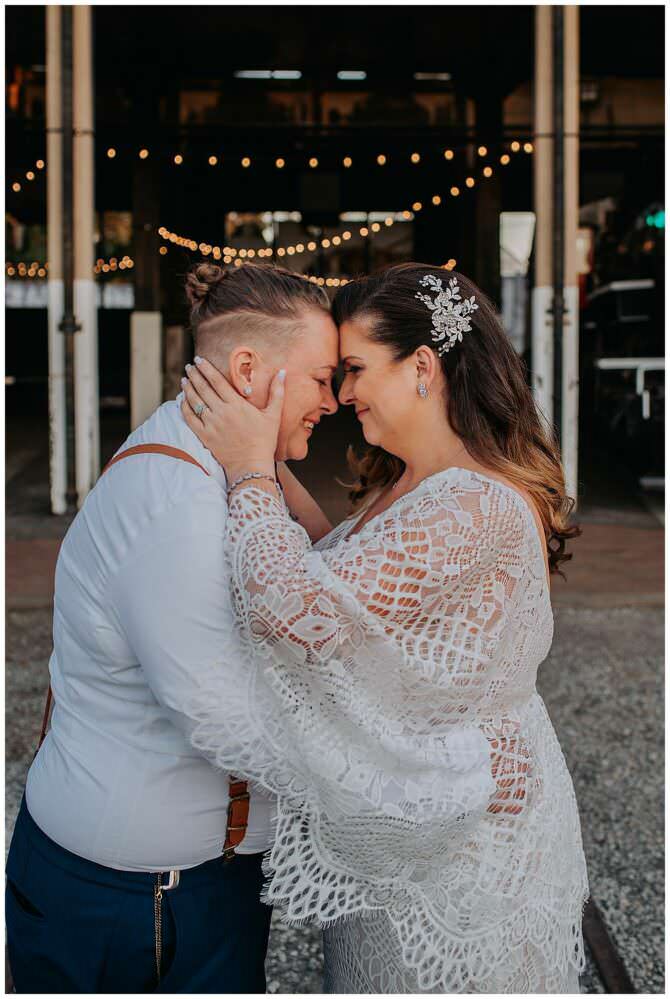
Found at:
[422, 390]
[247, 390]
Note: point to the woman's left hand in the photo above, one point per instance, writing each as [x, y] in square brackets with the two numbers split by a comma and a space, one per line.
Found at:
[241, 437]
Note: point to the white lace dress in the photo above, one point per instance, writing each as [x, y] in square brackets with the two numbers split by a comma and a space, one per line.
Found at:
[383, 686]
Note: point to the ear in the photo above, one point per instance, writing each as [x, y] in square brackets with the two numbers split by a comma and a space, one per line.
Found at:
[427, 365]
[243, 363]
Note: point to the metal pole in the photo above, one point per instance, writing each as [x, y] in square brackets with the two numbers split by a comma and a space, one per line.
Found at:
[570, 385]
[559, 213]
[54, 150]
[87, 409]
[542, 353]
[69, 326]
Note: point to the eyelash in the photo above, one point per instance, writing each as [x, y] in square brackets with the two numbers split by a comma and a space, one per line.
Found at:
[322, 382]
[351, 370]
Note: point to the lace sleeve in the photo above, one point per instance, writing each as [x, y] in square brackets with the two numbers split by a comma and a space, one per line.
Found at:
[309, 603]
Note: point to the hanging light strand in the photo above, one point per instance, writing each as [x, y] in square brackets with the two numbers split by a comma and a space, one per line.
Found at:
[230, 253]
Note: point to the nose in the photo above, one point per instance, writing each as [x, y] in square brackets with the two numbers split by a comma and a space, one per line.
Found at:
[329, 405]
[346, 395]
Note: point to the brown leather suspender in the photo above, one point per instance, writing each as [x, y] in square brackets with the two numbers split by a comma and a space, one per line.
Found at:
[238, 807]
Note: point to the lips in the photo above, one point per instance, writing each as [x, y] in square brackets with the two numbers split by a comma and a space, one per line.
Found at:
[360, 412]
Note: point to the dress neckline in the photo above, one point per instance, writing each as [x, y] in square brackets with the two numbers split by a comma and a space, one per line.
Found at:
[541, 544]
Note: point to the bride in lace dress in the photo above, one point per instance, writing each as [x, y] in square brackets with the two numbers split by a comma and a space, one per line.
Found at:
[383, 681]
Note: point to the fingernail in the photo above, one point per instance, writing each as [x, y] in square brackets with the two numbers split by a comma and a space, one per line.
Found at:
[282, 375]
[198, 360]
[183, 381]
[188, 367]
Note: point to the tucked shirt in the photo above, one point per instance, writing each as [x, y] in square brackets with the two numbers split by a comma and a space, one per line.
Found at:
[141, 610]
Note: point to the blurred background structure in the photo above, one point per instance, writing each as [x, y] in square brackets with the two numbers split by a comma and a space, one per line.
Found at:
[521, 145]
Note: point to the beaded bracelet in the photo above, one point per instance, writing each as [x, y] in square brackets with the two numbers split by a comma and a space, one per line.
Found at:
[254, 475]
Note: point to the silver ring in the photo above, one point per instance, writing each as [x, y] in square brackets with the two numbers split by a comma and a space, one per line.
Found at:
[199, 408]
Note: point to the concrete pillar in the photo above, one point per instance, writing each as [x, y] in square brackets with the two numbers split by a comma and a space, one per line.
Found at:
[146, 369]
[570, 372]
[542, 347]
[87, 407]
[57, 412]
[146, 347]
[175, 358]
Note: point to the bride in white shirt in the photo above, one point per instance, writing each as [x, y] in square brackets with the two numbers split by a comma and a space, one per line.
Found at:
[385, 677]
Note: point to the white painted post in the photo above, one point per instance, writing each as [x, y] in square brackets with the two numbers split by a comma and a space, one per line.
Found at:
[570, 373]
[146, 365]
[542, 345]
[87, 406]
[57, 413]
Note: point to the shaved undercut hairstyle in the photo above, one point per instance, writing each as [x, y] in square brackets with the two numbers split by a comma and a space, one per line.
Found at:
[258, 304]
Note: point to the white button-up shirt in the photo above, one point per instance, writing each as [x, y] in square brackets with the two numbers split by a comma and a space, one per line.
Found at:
[141, 602]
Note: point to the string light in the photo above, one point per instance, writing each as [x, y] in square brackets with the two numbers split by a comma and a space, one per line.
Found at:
[30, 175]
[212, 160]
[347, 161]
[381, 159]
[280, 163]
[111, 153]
[38, 270]
[415, 158]
[40, 164]
[246, 162]
[16, 187]
[528, 147]
[504, 159]
[179, 159]
[313, 162]
[163, 251]
[448, 154]
[450, 264]
[482, 151]
[334, 241]
[144, 153]
[515, 147]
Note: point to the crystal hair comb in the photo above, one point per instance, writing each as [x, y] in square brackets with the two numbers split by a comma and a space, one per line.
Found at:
[450, 312]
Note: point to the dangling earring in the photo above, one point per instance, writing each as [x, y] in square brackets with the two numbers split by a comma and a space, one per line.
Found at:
[247, 390]
[422, 390]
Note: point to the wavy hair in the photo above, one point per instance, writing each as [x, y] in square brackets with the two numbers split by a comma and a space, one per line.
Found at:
[489, 403]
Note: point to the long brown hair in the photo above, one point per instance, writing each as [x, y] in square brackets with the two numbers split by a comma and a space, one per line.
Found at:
[490, 406]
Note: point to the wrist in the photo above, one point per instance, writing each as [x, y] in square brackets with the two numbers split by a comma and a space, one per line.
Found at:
[264, 466]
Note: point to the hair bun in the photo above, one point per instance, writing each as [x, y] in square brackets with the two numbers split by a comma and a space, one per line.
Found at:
[200, 281]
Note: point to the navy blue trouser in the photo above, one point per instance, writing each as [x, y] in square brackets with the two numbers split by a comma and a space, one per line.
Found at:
[76, 926]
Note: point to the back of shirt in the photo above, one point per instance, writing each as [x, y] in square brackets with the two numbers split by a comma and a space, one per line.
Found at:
[140, 610]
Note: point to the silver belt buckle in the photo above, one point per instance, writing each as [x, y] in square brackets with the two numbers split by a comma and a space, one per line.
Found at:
[173, 881]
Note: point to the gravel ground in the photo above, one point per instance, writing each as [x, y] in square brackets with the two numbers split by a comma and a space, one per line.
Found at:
[603, 686]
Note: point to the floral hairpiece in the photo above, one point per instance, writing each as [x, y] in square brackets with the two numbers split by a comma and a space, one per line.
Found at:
[450, 312]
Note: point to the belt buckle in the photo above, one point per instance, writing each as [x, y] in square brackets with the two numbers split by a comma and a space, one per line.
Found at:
[173, 881]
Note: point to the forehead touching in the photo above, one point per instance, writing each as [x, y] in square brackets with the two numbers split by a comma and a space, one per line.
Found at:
[316, 343]
[355, 338]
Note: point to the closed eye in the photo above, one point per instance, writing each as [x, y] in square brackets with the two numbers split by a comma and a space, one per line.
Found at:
[351, 370]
